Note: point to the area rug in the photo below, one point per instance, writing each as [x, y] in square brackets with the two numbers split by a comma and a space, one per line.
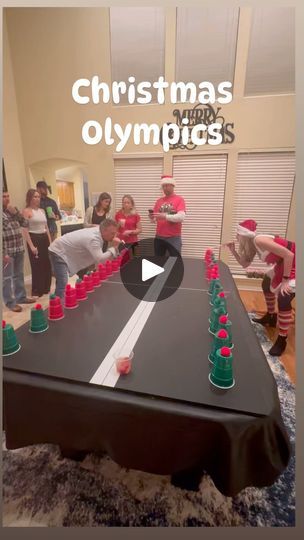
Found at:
[42, 489]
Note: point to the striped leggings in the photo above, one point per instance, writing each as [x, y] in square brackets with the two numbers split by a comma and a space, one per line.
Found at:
[284, 306]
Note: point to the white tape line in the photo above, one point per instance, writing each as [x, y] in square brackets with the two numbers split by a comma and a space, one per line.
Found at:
[106, 373]
[112, 376]
[106, 364]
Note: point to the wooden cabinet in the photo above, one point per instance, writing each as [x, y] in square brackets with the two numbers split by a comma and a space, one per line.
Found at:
[66, 195]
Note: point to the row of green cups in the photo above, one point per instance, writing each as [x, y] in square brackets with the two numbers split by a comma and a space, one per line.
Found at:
[221, 357]
[10, 343]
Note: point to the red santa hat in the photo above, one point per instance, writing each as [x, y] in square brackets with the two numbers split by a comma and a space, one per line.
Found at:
[247, 228]
[167, 179]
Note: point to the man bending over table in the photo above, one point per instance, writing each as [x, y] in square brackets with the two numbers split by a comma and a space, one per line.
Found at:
[80, 249]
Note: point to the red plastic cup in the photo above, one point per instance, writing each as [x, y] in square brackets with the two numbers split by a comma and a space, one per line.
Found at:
[96, 279]
[209, 265]
[214, 273]
[209, 273]
[80, 288]
[88, 281]
[70, 299]
[123, 362]
[208, 260]
[102, 272]
[55, 308]
[115, 265]
[208, 254]
[109, 267]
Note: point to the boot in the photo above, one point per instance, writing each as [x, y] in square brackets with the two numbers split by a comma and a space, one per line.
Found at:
[269, 319]
[279, 346]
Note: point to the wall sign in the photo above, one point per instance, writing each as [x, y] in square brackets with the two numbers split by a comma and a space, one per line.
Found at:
[201, 114]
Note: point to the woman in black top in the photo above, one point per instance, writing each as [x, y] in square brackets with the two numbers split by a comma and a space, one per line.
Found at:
[96, 214]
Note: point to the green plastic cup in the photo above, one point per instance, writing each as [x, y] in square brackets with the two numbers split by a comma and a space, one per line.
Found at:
[221, 295]
[10, 343]
[217, 303]
[38, 320]
[217, 288]
[221, 374]
[225, 324]
[221, 339]
[49, 211]
[214, 318]
[220, 300]
[213, 283]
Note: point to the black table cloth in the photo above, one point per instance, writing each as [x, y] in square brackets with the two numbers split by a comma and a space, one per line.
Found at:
[164, 417]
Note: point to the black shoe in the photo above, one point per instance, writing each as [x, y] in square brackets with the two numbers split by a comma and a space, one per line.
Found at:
[279, 346]
[269, 319]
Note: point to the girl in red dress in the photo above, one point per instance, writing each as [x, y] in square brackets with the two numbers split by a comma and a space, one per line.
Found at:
[278, 281]
[129, 223]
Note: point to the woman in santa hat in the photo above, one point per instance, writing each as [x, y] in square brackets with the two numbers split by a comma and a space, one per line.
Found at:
[278, 281]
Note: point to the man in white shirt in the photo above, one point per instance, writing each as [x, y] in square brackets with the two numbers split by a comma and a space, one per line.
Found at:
[80, 249]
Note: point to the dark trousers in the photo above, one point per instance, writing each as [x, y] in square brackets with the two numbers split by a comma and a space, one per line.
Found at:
[171, 245]
[284, 301]
[41, 266]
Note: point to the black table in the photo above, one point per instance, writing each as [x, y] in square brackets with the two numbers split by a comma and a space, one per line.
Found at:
[164, 417]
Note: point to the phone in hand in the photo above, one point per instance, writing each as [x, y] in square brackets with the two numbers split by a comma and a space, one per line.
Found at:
[121, 246]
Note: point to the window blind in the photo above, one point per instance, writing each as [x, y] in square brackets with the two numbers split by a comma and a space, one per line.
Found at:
[201, 181]
[263, 192]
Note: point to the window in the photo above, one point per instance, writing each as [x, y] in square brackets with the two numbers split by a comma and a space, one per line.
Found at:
[263, 192]
[206, 44]
[271, 56]
[137, 44]
[139, 178]
[201, 181]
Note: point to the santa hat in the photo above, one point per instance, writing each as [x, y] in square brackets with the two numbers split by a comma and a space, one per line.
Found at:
[167, 179]
[247, 228]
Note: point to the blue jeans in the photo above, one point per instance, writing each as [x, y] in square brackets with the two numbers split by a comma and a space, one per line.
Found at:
[163, 244]
[13, 281]
[61, 273]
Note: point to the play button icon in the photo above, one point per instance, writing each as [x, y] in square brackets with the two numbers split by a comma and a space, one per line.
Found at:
[150, 275]
[149, 270]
